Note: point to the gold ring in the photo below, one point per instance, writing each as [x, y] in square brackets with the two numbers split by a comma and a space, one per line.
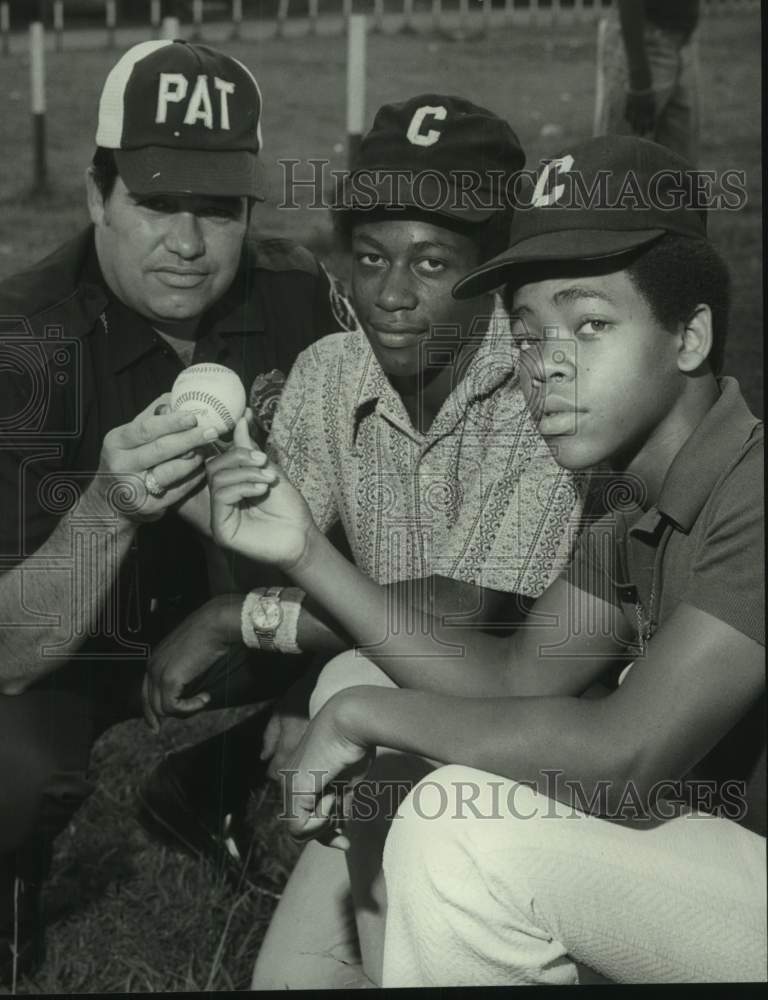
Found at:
[153, 487]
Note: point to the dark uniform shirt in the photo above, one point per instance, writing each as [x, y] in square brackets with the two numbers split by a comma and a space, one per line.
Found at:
[76, 362]
[701, 544]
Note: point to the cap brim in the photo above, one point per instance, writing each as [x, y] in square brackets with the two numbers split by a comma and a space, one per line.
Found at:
[558, 247]
[395, 190]
[159, 170]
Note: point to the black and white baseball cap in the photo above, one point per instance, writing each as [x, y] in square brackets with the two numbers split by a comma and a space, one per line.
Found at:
[182, 118]
[605, 197]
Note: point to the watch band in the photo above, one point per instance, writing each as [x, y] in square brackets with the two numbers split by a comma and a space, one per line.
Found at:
[254, 637]
[268, 639]
[247, 631]
[286, 636]
[283, 638]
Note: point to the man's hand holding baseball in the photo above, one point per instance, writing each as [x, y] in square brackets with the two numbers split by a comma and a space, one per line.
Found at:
[151, 463]
[254, 509]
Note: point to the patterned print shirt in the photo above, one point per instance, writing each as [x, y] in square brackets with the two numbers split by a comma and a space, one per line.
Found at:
[477, 498]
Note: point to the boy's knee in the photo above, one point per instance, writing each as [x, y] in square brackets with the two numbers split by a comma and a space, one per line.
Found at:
[459, 813]
[348, 669]
[427, 821]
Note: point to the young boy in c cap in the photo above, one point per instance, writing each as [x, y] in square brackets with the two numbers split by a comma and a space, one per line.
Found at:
[624, 833]
[413, 432]
[166, 275]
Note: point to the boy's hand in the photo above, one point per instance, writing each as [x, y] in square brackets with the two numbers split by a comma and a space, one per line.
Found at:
[186, 653]
[328, 752]
[254, 509]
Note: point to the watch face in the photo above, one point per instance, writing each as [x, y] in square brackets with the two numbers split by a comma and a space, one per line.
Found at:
[267, 613]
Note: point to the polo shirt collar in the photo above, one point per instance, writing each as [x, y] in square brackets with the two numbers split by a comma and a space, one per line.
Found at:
[704, 457]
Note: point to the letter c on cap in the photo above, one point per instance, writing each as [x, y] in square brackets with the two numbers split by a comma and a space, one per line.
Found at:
[539, 199]
[429, 138]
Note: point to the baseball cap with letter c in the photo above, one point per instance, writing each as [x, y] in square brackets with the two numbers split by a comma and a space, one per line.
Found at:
[437, 153]
[605, 197]
[182, 118]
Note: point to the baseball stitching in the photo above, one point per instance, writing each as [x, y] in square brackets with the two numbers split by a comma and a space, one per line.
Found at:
[205, 397]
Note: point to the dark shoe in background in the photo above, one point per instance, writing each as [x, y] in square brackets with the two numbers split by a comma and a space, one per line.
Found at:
[170, 812]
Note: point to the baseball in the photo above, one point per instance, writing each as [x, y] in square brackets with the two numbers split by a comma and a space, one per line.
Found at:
[213, 392]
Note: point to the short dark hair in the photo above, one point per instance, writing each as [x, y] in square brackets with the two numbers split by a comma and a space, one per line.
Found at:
[674, 274]
[491, 237]
[104, 168]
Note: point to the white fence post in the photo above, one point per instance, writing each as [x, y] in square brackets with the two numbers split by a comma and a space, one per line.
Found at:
[463, 15]
[408, 26]
[197, 20]
[155, 13]
[37, 100]
[356, 42]
[378, 16]
[487, 15]
[282, 16]
[237, 18]
[5, 26]
[58, 24]
[314, 23]
[437, 15]
[110, 19]
[170, 28]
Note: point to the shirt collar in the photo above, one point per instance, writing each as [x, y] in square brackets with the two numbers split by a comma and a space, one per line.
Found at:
[709, 450]
[492, 363]
[239, 311]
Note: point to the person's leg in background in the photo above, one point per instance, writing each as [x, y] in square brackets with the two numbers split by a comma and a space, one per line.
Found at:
[674, 71]
[678, 125]
[196, 798]
[313, 940]
[46, 736]
[523, 887]
[611, 80]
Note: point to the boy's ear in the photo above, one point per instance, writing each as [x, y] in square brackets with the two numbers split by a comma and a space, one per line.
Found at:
[94, 198]
[696, 342]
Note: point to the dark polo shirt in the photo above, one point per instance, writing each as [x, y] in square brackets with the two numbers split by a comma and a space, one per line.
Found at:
[76, 362]
[701, 544]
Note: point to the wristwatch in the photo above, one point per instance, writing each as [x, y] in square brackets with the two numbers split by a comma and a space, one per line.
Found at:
[266, 614]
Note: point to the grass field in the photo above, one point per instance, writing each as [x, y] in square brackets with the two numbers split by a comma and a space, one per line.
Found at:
[132, 916]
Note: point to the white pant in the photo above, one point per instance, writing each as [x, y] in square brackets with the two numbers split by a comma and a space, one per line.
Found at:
[312, 940]
[506, 900]
[515, 888]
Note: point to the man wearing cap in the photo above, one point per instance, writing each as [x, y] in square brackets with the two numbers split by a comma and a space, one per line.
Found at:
[414, 435]
[96, 563]
[624, 833]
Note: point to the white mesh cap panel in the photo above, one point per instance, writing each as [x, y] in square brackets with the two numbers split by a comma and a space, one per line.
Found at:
[109, 132]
